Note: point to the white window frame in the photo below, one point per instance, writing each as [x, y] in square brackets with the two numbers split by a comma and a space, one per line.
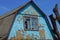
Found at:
[27, 17]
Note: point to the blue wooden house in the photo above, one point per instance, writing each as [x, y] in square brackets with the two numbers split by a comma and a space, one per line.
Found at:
[26, 23]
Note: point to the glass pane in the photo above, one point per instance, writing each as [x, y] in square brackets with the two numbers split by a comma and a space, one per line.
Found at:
[27, 23]
[34, 23]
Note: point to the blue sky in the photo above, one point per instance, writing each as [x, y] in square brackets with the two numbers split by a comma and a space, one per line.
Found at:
[45, 5]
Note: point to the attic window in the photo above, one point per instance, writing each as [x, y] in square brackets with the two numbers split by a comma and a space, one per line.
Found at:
[30, 23]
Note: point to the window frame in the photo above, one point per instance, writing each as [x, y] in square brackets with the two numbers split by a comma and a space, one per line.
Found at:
[30, 23]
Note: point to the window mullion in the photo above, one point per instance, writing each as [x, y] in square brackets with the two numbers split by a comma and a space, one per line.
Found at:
[31, 22]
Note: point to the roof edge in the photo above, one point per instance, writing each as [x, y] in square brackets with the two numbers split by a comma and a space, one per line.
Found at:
[13, 11]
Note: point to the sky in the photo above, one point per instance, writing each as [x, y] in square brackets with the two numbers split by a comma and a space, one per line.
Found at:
[45, 5]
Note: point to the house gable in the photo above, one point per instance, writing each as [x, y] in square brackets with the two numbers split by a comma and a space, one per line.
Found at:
[18, 26]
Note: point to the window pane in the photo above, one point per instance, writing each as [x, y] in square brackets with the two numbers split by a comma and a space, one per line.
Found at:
[34, 23]
[27, 23]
